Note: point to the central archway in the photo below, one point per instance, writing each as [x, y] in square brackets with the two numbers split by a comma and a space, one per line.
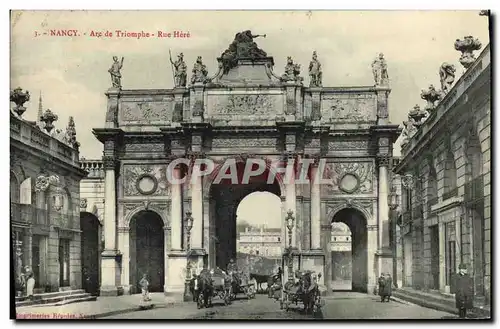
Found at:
[147, 250]
[356, 222]
[224, 200]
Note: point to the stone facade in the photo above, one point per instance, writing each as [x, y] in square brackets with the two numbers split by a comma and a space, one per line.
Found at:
[447, 208]
[244, 111]
[45, 201]
[260, 241]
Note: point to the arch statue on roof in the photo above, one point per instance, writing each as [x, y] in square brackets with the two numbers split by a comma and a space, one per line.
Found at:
[242, 46]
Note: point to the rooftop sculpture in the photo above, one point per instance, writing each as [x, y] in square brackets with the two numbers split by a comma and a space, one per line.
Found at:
[243, 46]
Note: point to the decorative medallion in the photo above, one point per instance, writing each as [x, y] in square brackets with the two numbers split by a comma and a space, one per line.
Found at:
[146, 184]
[145, 179]
[349, 183]
[349, 177]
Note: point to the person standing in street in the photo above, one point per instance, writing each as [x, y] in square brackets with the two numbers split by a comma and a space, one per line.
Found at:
[381, 287]
[464, 291]
[144, 284]
[388, 287]
[30, 283]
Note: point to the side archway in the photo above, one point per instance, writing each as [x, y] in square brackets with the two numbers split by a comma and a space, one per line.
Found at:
[357, 223]
[90, 252]
[147, 249]
[130, 215]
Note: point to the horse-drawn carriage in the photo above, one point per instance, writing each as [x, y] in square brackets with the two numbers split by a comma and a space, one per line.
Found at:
[242, 284]
[305, 291]
[211, 284]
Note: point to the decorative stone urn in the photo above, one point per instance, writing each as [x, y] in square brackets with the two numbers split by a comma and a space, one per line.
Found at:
[431, 96]
[416, 114]
[467, 45]
[19, 98]
[48, 118]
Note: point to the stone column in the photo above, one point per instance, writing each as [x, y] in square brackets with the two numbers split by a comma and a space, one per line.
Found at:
[291, 197]
[176, 212]
[166, 235]
[124, 245]
[442, 265]
[109, 265]
[197, 210]
[384, 248]
[315, 208]
[372, 231]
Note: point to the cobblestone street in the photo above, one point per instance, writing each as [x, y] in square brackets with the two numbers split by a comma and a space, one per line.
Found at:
[343, 305]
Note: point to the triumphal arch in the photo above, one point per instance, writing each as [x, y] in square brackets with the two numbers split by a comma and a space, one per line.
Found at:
[244, 111]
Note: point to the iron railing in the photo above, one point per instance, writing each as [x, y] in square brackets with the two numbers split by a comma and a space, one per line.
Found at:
[431, 202]
[474, 190]
[29, 214]
[450, 194]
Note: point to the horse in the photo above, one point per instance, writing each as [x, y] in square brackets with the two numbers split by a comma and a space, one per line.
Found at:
[260, 279]
[203, 289]
[308, 291]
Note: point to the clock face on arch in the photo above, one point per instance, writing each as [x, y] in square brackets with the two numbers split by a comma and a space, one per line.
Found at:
[349, 183]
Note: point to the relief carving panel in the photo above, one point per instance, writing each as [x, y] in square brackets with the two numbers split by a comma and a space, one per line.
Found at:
[247, 105]
[144, 147]
[244, 142]
[335, 145]
[146, 111]
[145, 180]
[349, 107]
[349, 177]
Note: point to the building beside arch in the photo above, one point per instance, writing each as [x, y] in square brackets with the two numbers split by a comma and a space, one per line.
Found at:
[446, 200]
[45, 179]
[247, 113]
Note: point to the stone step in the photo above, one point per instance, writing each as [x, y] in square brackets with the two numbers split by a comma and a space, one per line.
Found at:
[51, 298]
[88, 298]
[52, 294]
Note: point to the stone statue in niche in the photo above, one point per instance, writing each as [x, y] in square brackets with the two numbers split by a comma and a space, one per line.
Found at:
[116, 76]
[292, 71]
[379, 70]
[446, 76]
[200, 72]
[315, 71]
[180, 75]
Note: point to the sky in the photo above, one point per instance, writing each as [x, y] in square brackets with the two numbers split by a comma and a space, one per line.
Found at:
[71, 72]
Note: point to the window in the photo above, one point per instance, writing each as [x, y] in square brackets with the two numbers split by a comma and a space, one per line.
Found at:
[450, 176]
[279, 239]
[256, 252]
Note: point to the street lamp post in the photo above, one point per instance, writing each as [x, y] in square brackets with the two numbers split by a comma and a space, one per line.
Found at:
[289, 224]
[189, 225]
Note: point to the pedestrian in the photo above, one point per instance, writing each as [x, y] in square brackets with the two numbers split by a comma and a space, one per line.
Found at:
[30, 283]
[388, 286]
[464, 291]
[144, 284]
[381, 287]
